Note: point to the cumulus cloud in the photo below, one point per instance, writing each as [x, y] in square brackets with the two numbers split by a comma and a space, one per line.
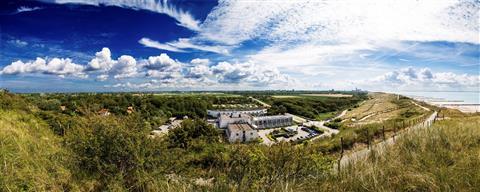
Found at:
[162, 62]
[183, 18]
[55, 66]
[160, 71]
[248, 72]
[125, 66]
[102, 61]
[422, 79]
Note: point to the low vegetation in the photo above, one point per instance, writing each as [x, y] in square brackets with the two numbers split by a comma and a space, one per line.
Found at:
[49, 149]
[445, 157]
[312, 107]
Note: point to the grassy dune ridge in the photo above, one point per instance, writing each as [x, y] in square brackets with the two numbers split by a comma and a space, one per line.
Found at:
[31, 156]
[445, 157]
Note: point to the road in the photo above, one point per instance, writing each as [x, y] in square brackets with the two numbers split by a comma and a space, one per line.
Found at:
[261, 102]
[424, 108]
[380, 147]
[342, 114]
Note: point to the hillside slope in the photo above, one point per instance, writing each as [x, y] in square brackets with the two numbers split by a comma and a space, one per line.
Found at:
[445, 157]
[30, 154]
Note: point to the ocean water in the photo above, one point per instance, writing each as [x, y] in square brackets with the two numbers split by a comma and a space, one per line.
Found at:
[441, 96]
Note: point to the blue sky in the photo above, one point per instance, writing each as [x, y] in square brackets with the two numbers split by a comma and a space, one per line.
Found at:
[148, 45]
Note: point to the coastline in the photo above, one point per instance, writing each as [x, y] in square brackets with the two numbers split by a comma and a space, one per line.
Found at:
[463, 107]
[452, 104]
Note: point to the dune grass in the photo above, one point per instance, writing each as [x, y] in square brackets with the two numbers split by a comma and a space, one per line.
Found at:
[31, 157]
[445, 157]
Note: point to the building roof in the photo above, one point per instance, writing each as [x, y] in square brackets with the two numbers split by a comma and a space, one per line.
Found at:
[239, 127]
[237, 116]
[272, 117]
[237, 110]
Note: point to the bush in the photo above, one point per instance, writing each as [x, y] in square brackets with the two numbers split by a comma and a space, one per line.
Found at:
[190, 130]
[112, 151]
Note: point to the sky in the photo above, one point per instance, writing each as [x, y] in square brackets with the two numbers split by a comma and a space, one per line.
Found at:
[159, 45]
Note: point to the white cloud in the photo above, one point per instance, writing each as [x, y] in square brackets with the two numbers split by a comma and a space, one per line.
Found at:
[198, 61]
[18, 43]
[343, 21]
[183, 44]
[160, 70]
[154, 44]
[162, 62]
[249, 73]
[183, 18]
[308, 58]
[163, 67]
[198, 72]
[27, 9]
[421, 79]
[102, 61]
[102, 77]
[124, 67]
[55, 66]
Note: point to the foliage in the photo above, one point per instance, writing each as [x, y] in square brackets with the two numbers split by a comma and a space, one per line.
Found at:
[190, 130]
[310, 106]
[90, 152]
[115, 152]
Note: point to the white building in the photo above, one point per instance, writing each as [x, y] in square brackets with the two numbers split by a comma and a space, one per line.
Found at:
[265, 122]
[225, 120]
[241, 132]
[229, 112]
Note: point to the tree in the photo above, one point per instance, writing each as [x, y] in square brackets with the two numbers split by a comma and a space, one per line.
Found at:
[190, 130]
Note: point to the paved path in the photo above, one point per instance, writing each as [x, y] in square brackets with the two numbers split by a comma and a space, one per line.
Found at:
[342, 114]
[263, 134]
[261, 102]
[380, 147]
[424, 108]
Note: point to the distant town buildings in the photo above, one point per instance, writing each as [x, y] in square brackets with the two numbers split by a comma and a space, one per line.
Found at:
[241, 132]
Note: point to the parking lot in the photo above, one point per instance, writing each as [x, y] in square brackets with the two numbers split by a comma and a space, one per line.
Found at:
[302, 134]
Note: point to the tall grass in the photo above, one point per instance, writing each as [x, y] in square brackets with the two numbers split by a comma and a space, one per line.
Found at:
[31, 157]
[445, 157]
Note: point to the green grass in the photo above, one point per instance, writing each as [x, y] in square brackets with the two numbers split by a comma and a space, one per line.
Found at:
[445, 157]
[31, 156]
[325, 116]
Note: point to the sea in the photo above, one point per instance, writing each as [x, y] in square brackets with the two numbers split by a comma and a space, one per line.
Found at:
[458, 97]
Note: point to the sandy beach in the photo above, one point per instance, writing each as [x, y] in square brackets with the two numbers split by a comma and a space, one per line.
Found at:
[466, 108]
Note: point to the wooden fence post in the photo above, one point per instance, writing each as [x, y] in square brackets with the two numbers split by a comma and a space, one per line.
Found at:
[394, 131]
[368, 139]
[383, 132]
[341, 154]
